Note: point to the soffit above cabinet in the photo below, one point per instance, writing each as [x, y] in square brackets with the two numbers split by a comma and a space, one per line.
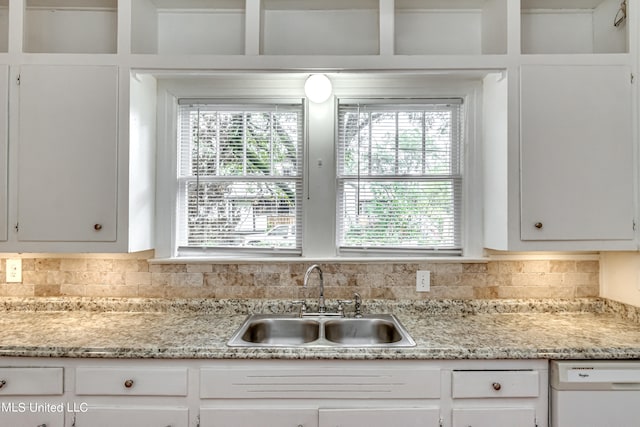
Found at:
[199, 4]
[560, 4]
[84, 4]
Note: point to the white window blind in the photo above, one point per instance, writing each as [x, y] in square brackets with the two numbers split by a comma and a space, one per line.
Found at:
[240, 176]
[399, 175]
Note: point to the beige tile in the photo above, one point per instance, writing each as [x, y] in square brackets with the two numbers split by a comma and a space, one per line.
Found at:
[46, 264]
[560, 266]
[73, 264]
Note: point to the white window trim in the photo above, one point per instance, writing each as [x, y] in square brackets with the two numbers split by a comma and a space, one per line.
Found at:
[319, 202]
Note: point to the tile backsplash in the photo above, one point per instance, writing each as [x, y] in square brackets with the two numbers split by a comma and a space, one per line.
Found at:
[132, 275]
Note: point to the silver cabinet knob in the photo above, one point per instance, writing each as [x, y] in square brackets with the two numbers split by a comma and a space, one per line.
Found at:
[3, 383]
[97, 227]
[538, 225]
[496, 386]
[128, 383]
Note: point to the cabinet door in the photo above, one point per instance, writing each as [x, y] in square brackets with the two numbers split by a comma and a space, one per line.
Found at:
[370, 417]
[131, 417]
[4, 152]
[576, 153]
[31, 414]
[67, 168]
[252, 417]
[494, 417]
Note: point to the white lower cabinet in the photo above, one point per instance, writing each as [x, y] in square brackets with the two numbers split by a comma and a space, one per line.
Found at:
[252, 417]
[494, 417]
[131, 396]
[272, 393]
[499, 398]
[320, 417]
[380, 417]
[122, 416]
[30, 397]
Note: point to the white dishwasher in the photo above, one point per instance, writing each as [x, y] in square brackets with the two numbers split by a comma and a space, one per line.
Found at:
[595, 393]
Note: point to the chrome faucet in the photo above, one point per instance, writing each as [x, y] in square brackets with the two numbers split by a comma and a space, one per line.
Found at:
[321, 306]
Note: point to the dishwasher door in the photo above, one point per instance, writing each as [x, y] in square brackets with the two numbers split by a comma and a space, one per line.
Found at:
[595, 393]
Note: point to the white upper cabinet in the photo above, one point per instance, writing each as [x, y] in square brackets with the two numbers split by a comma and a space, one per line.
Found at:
[576, 153]
[67, 168]
[4, 151]
[77, 169]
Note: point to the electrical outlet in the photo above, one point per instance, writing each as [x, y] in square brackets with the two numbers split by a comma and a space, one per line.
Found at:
[14, 270]
[423, 281]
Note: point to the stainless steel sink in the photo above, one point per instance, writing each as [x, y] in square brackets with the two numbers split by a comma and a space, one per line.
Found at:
[364, 331]
[281, 331]
[288, 330]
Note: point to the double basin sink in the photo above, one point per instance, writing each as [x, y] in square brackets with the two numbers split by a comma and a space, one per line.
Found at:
[289, 330]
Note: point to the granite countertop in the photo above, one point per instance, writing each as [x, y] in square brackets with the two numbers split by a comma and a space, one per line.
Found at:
[178, 329]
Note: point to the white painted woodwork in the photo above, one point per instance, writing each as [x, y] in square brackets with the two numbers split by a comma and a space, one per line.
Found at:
[576, 153]
[380, 417]
[15, 415]
[495, 417]
[77, 30]
[494, 384]
[197, 36]
[578, 408]
[296, 383]
[31, 381]
[93, 395]
[67, 170]
[138, 381]
[4, 150]
[120, 416]
[579, 27]
[251, 417]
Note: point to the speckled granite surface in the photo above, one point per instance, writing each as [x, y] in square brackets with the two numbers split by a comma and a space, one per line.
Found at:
[477, 329]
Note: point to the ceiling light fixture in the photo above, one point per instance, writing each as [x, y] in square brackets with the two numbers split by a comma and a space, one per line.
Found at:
[318, 88]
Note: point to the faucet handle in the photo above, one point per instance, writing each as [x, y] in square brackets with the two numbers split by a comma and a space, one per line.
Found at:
[341, 304]
[302, 304]
[358, 306]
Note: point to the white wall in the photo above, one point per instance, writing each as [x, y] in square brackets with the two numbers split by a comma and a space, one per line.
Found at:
[620, 276]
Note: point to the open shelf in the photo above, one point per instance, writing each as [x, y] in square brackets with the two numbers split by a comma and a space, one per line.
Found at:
[320, 27]
[70, 26]
[188, 27]
[450, 27]
[572, 26]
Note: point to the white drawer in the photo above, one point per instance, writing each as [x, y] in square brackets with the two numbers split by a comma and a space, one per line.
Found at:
[470, 384]
[31, 381]
[131, 381]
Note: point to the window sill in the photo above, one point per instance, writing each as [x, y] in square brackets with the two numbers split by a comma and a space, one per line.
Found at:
[337, 260]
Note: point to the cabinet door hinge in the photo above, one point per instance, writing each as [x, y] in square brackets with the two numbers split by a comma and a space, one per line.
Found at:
[633, 78]
[17, 227]
[634, 225]
[18, 80]
[441, 422]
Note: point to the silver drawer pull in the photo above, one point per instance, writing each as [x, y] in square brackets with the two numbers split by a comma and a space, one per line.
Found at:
[496, 386]
[42, 425]
[128, 383]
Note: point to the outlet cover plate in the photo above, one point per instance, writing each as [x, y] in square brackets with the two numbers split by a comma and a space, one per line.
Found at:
[423, 281]
[14, 270]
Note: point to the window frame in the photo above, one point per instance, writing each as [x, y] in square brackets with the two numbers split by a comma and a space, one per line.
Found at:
[245, 106]
[319, 176]
[456, 174]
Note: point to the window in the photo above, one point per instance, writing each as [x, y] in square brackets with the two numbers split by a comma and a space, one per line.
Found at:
[399, 175]
[240, 176]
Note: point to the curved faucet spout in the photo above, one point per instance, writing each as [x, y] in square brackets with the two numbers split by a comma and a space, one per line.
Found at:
[321, 305]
